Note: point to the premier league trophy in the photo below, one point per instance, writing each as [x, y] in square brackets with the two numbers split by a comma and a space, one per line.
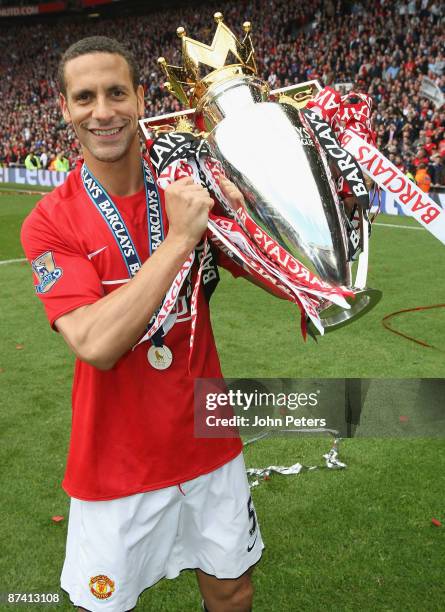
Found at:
[287, 163]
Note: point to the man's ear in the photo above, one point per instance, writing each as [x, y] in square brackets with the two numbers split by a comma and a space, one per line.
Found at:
[140, 98]
[64, 108]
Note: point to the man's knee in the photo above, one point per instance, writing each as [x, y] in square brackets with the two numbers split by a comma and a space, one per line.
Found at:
[237, 597]
[243, 597]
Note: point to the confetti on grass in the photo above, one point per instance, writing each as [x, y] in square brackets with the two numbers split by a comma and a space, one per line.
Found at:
[57, 519]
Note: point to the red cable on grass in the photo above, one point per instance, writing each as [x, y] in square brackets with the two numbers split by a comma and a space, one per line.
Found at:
[399, 333]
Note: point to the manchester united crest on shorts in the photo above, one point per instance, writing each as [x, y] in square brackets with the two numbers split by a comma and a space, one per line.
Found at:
[101, 586]
[46, 271]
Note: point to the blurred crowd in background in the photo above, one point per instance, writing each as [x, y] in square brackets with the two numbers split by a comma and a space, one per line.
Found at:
[383, 48]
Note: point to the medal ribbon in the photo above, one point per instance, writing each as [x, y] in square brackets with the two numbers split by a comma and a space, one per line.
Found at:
[110, 214]
[112, 217]
[177, 169]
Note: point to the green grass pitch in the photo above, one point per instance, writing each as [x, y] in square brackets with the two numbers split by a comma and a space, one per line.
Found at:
[360, 538]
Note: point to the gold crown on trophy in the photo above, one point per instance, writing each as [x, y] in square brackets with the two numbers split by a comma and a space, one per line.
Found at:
[204, 65]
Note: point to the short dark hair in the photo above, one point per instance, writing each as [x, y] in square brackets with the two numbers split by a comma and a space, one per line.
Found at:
[97, 44]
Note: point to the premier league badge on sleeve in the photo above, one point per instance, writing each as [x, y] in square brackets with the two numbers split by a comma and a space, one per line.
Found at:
[46, 271]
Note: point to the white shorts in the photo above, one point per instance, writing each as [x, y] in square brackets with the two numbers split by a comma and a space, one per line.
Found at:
[116, 549]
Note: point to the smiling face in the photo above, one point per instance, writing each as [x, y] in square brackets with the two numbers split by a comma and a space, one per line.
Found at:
[103, 106]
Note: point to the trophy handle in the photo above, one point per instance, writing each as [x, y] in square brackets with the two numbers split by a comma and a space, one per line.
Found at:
[150, 126]
[333, 317]
[363, 258]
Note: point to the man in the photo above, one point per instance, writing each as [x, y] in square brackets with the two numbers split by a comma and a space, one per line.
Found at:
[437, 168]
[423, 179]
[32, 161]
[148, 498]
[43, 159]
[61, 164]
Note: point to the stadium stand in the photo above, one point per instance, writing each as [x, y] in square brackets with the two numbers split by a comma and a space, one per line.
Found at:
[381, 47]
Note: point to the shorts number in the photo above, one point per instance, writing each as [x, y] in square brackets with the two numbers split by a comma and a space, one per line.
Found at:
[252, 516]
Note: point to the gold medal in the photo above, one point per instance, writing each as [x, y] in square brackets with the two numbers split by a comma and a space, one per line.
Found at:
[159, 357]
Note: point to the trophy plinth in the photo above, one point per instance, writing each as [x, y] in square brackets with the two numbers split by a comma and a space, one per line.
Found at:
[333, 317]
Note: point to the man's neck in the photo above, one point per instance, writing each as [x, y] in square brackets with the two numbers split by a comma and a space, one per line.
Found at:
[121, 178]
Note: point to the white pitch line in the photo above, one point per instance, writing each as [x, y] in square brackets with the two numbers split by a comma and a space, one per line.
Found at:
[399, 226]
[8, 261]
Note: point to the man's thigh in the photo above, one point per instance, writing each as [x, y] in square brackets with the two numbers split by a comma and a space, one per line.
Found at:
[117, 549]
[219, 531]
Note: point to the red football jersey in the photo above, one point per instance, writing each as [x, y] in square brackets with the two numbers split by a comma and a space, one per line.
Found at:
[132, 426]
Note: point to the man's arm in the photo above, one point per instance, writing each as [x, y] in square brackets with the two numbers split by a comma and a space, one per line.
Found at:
[102, 332]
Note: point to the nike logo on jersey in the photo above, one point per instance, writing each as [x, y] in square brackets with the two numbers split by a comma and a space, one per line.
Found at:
[91, 255]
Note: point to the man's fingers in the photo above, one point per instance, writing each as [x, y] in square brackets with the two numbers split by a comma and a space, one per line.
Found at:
[196, 187]
[187, 180]
[229, 189]
[188, 185]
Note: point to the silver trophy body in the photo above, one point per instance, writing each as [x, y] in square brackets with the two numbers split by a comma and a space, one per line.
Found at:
[287, 185]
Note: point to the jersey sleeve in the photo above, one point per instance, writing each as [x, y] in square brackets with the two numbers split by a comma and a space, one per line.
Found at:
[64, 278]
